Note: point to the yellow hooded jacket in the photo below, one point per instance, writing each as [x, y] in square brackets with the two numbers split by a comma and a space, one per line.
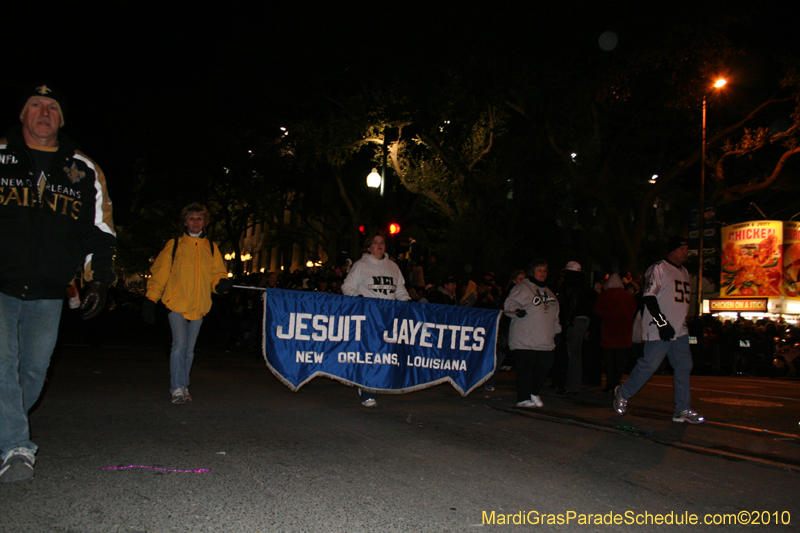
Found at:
[185, 287]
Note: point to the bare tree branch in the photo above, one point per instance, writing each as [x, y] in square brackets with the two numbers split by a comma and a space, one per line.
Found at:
[739, 191]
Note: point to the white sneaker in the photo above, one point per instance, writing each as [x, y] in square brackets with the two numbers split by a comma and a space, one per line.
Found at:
[178, 397]
[369, 402]
[688, 416]
[537, 401]
[186, 395]
[17, 466]
[620, 404]
[527, 403]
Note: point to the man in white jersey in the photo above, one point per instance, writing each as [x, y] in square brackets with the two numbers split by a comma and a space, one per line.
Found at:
[666, 298]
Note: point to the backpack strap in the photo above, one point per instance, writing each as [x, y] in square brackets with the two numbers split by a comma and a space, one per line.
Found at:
[175, 249]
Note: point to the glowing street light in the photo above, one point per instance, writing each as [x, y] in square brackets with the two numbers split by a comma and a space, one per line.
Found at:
[701, 217]
[374, 179]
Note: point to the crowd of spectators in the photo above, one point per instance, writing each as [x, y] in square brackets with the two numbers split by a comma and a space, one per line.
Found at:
[720, 346]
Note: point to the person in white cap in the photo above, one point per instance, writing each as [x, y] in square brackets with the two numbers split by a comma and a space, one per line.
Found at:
[575, 309]
[664, 331]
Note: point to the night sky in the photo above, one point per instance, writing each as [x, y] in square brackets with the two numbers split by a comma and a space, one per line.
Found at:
[126, 69]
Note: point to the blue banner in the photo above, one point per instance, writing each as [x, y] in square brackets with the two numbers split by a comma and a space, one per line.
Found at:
[380, 345]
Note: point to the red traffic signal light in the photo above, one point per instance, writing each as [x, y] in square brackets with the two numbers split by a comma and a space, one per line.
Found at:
[394, 228]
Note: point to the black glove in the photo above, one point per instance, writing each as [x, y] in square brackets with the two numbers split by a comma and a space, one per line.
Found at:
[149, 311]
[94, 299]
[665, 329]
[224, 286]
[521, 313]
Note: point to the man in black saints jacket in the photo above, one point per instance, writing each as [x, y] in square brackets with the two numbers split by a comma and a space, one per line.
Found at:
[55, 216]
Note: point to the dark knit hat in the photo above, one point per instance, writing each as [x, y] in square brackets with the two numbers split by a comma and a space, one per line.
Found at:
[41, 90]
[676, 242]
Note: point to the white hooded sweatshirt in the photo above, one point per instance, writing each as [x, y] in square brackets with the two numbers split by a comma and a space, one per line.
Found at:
[376, 278]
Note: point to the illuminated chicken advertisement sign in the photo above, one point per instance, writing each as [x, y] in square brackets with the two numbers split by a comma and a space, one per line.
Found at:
[751, 259]
[761, 259]
[791, 259]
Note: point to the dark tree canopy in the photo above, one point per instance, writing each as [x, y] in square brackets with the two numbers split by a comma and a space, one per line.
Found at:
[475, 114]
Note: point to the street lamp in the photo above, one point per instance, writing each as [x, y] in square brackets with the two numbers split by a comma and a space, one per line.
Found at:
[375, 180]
[701, 217]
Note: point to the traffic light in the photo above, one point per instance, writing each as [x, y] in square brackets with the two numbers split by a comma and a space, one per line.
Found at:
[394, 228]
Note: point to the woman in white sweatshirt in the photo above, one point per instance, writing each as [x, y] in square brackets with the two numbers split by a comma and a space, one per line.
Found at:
[375, 276]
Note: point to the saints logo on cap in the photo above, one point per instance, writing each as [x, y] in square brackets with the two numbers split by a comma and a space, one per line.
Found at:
[44, 90]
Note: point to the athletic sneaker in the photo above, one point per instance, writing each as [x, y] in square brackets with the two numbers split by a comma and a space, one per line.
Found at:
[186, 395]
[18, 465]
[178, 397]
[527, 403]
[367, 400]
[688, 416]
[537, 401]
[620, 403]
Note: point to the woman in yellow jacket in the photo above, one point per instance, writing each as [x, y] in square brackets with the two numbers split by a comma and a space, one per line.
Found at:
[183, 277]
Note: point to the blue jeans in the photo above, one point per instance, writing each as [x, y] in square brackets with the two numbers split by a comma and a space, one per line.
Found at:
[184, 337]
[679, 357]
[28, 333]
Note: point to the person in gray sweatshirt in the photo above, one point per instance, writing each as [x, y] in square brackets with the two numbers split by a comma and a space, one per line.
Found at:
[532, 332]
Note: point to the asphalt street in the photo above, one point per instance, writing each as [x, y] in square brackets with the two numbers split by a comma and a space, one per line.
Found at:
[249, 455]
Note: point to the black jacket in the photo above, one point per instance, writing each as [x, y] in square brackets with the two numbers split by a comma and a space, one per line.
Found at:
[574, 298]
[441, 297]
[50, 227]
